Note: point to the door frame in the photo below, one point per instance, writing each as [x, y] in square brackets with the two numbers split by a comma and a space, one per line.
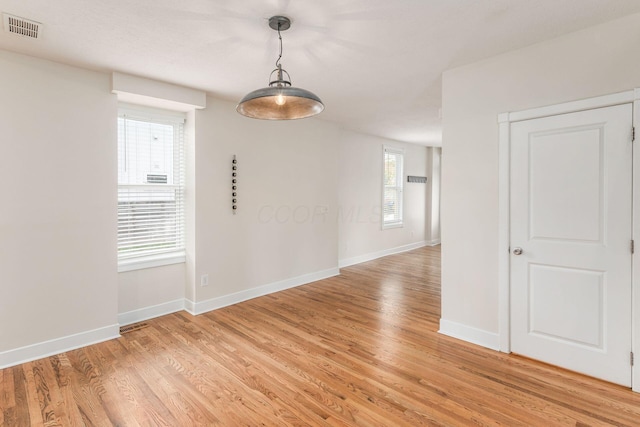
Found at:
[504, 221]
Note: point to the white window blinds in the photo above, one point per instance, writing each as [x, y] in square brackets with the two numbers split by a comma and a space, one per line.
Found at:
[151, 169]
[392, 188]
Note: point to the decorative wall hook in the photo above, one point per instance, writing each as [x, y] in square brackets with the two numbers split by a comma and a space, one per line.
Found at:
[234, 184]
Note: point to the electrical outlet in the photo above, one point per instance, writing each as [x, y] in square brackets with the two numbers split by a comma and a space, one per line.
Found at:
[204, 280]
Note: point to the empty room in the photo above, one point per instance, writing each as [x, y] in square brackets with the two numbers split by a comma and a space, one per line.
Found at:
[337, 213]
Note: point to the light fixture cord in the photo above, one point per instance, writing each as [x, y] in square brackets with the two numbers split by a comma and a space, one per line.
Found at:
[280, 55]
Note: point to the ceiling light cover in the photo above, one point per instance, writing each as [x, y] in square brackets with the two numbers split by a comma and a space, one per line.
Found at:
[264, 104]
[280, 100]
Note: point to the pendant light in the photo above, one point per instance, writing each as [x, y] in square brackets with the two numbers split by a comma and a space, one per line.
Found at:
[280, 100]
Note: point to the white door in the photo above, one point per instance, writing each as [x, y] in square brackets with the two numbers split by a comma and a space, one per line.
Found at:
[570, 241]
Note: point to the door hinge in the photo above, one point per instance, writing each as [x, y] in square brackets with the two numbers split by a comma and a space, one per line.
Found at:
[633, 134]
[631, 358]
[633, 246]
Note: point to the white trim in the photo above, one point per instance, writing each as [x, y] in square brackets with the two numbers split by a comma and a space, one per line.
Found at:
[635, 259]
[155, 93]
[56, 346]
[503, 117]
[151, 312]
[196, 308]
[504, 180]
[467, 333]
[571, 107]
[504, 121]
[391, 251]
[138, 263]
[434, 242]
[150, 114]
[389, 225]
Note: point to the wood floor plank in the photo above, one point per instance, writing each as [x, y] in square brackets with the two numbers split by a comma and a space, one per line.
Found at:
[358, 349]
[88, 393]
[7, 398]
[20, 414]
[32, 397]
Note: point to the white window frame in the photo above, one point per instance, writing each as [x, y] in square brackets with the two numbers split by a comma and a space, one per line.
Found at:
[399, 186]
[138, 261]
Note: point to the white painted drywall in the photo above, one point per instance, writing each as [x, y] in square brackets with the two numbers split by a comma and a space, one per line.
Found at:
[147, 287]
[360, 196]
[190, 207]
[58, 267]
[58, 270]
[287, 178]
[434, 155]
[596, 61]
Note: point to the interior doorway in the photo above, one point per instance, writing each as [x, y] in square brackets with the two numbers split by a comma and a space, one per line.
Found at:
[566, 235]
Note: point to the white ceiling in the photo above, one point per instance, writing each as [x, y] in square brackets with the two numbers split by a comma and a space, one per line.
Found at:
[376, 64]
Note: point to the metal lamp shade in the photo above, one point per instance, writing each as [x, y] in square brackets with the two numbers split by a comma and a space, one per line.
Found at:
[298, 104]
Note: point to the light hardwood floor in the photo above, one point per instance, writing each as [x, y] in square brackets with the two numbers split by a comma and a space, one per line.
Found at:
[360, 349]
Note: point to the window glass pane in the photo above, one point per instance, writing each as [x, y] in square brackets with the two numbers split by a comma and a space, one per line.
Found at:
[150, 187]
[145, 152]
[390, 204]
[390, 169]
[392, 188]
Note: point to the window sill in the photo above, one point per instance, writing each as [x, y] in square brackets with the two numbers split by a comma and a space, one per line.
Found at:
[151, 261]
[392, 225]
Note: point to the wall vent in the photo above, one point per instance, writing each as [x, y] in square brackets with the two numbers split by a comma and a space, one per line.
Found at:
[21, 26]
[134, 327]
[419, 179]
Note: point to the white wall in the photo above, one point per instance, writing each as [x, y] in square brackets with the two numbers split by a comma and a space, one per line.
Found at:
[360, 197]
[287, 177]
[57, 246]
[149, 287]
[289, 174]
[59, 286]
[190, 207]
[432, 217]
[597, 61]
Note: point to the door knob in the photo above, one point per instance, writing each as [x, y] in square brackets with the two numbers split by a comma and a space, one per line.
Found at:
[517, 251]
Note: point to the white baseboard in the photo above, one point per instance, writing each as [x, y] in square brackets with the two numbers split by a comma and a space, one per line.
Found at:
[56, 346]
[147, 313]
[470, 334]
[435, 242]
[375, 255]
[60, 345]
[196, 308]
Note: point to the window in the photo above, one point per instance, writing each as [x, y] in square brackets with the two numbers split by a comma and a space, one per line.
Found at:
[150, 189]
[392, 188]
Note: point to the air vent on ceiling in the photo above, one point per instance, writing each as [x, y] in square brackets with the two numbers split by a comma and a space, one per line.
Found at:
[21, 26]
